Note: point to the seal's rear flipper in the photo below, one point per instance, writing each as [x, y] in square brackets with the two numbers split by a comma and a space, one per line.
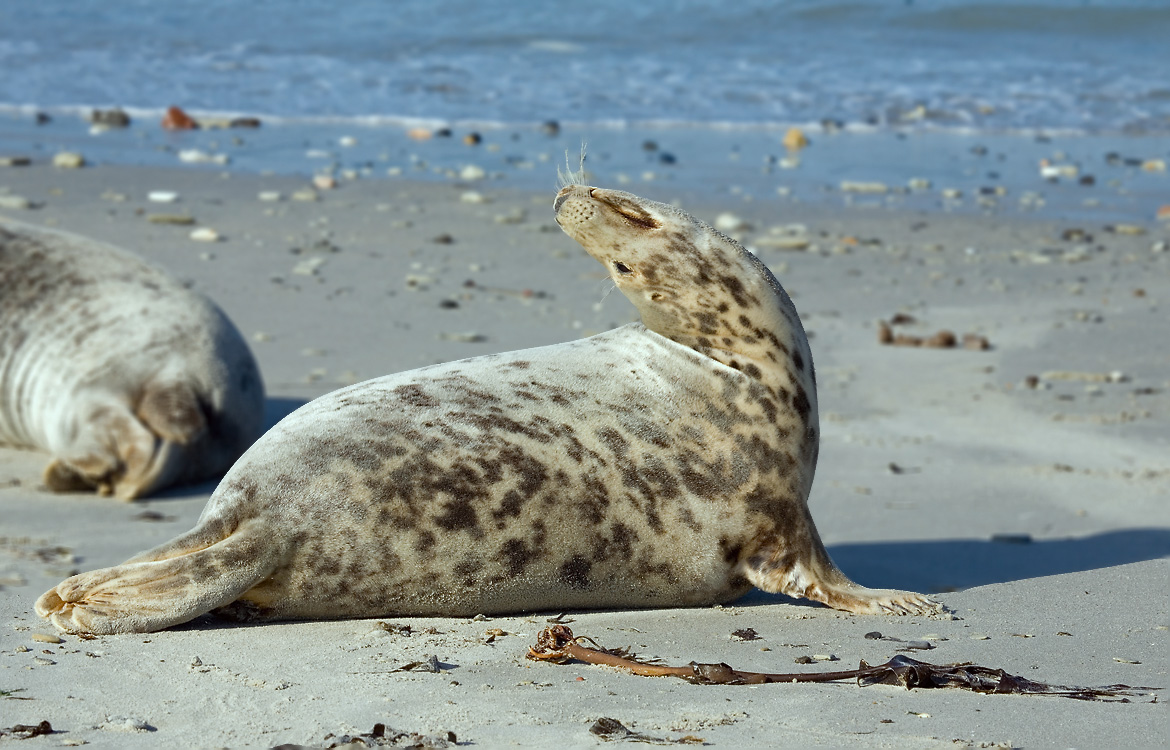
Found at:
[141, 597]
[804, 570]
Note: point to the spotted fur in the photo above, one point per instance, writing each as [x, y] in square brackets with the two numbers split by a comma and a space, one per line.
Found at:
[666, 463]
[131, 382]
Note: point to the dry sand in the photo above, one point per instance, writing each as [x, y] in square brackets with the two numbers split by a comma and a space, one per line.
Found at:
[1044, 510]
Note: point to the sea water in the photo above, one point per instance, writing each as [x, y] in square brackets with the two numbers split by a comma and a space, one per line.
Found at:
[707, 80]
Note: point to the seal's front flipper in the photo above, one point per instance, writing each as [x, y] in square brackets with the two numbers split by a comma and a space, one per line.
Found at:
[146, 596]
[804, 570]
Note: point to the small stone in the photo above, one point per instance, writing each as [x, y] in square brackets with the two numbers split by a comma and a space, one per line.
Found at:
[729, 222]
[515, 216]
[1132, 230]
[941, 340]
[309, 266]
[471, 196]
[195, 156]
[177, 119]
[1011, 538]
[69, 160]
[952, 194]
[980, 637]
[270, 196]
[473, 139]
[825, 657]
[803, 660]
[43, 661]
[47, 638]
[126, 724]
[175, 219]
[347, 141]
[110, 118]
[15, 203]
[15, 161]
[783, 243]
[205, 234]
[853, 186]
[471, 172]
[162, 196]
[975, 342]
[919, 183]
[795, 139]
[419, 134]
[1120, 660]
[1154, 165]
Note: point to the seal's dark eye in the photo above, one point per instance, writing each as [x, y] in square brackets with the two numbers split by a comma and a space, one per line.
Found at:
[622, 267]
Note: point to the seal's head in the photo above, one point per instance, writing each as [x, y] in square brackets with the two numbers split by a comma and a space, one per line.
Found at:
[690, 282]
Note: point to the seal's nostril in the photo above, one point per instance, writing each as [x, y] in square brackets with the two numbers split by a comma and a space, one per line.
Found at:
[622, 267]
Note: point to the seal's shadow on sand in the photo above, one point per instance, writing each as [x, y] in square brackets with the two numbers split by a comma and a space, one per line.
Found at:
[955, 564]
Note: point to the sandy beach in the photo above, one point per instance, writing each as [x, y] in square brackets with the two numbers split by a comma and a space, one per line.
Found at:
[1027, 484]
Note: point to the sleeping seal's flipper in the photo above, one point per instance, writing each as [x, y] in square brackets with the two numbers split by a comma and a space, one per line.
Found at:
[140, 597]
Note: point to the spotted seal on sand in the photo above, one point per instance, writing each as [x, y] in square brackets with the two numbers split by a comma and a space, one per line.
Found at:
[130, 381]
[664, 463]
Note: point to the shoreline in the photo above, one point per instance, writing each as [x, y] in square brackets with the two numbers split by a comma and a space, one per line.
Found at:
[1113, 177]
[1039, 511]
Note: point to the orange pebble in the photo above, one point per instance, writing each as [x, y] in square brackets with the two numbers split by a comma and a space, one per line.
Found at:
[177, 119]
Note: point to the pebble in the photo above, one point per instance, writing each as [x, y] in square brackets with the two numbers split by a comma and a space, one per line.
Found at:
[873, 188]
[308, 266]
[980, 637]
[177, 119]
[1050, 171]
[953, 194]
[270, 196]
[783, 243]
[110, 118]
[126, 724]
[162, 196]
[306, 195]
[1163, 213]
[69, 160]
[473, 139]
[1154, 165]
[515, 216]
[195, 156]
[795, 139]
[347, 141]
[472, 172]
[205, 234]
[15, 161]
[918, 183]
[1133, 230]
[324, 181]
[419, 134]
[1011, 538]
[1115, 376]
[47, 638]
[43, 661]
[825, 657]
[15, 202]
[729, 222]
[471, 196]
[1120, 660]
[176, 219]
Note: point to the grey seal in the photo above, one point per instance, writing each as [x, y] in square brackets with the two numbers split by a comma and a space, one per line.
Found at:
[664, 463]
[130, 381]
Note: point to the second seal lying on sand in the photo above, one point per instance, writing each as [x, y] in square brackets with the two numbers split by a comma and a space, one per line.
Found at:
[132, 382]
[660, 464]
